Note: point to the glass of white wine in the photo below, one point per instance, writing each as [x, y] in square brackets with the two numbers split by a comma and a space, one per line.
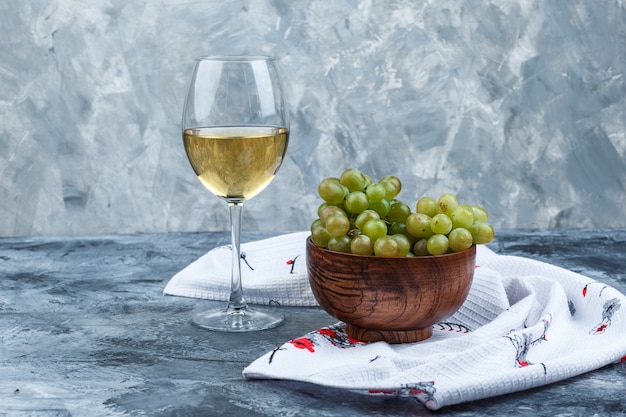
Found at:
[235, 131]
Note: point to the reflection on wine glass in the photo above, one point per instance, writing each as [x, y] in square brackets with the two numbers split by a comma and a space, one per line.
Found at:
[235, 131]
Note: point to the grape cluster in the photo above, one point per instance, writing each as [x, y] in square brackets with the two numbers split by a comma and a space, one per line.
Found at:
[364, 217]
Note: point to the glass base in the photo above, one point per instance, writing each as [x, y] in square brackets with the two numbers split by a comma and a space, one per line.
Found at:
[237, 320]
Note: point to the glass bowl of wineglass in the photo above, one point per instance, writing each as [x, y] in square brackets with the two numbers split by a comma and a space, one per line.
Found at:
[235, 132]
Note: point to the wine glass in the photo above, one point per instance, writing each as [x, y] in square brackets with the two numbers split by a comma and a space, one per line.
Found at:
[235, 131]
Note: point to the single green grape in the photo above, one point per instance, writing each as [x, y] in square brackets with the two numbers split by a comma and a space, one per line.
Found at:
[362, 245]
[441, 224]
[381, 207]
[480, 214]
[353, 179]
[482, 232]
[420, 248]
[404, 244]
[399, 228]
[460, 239]
[331, 190]
[330, 211]
[321, 207]
[316, 223]
[337, 225]
[462, 216]
[398, 212]
[368, 179]
[375, 192]
[418, 225]
[356, 202]
[447, 203]
[392, 185]
[375, 229]
[437, 244]
[339, 243]
[426, 205]
[363, 218]
[386, 246]
[320, 236]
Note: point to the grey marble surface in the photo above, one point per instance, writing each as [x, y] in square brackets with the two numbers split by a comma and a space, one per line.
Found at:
[86, 331]
[515, 105]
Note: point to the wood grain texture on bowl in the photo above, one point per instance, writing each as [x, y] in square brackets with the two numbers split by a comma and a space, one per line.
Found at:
[392, 299]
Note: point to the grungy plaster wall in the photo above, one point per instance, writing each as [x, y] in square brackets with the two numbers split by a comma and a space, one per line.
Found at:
[515, 105]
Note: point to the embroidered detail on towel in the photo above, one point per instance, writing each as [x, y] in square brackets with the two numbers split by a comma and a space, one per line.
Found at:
[452, 327]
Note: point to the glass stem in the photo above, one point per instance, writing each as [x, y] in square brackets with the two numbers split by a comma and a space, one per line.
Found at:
[237, 300]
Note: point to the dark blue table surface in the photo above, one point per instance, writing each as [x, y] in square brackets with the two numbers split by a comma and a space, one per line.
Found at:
[86, 331]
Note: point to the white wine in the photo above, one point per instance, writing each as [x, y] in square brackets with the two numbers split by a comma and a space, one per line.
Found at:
[236, 162]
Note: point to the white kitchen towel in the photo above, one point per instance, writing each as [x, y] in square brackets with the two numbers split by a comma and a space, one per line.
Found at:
[273, 272]
[524, 324]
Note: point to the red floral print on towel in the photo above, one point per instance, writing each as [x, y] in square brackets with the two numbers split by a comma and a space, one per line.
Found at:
[303, 343]
[335, 335]
[524, 341]
[292, 263]
[586, 287]
[608, 310]
[424, 391]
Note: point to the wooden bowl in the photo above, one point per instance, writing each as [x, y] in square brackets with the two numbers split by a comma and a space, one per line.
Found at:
[396, 300]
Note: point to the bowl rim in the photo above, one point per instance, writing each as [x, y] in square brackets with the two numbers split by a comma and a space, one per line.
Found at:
[309, 242]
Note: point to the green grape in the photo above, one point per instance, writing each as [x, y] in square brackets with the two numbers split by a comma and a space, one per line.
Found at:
[353, 179]
[340, 243]
[317, 223]
[437, 244]
[392, 185]
[368, 180]
[322, 206]
[320, 236]
[331, 190]
[386, 246]
[426, 205]
[375, 192]
[361, 245]
[404, 244]
[482, 232]
[480, 214]
[337, 225]
[420, 248]
[356, 202]
[418, 225]
[362, 218]
[398, 212]
[462, 216]
[394, 180]
[399, 228]
[460, 239]
[375, 228]
[381, 207]
[441, 224]
[330, 211]
[447, 203]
